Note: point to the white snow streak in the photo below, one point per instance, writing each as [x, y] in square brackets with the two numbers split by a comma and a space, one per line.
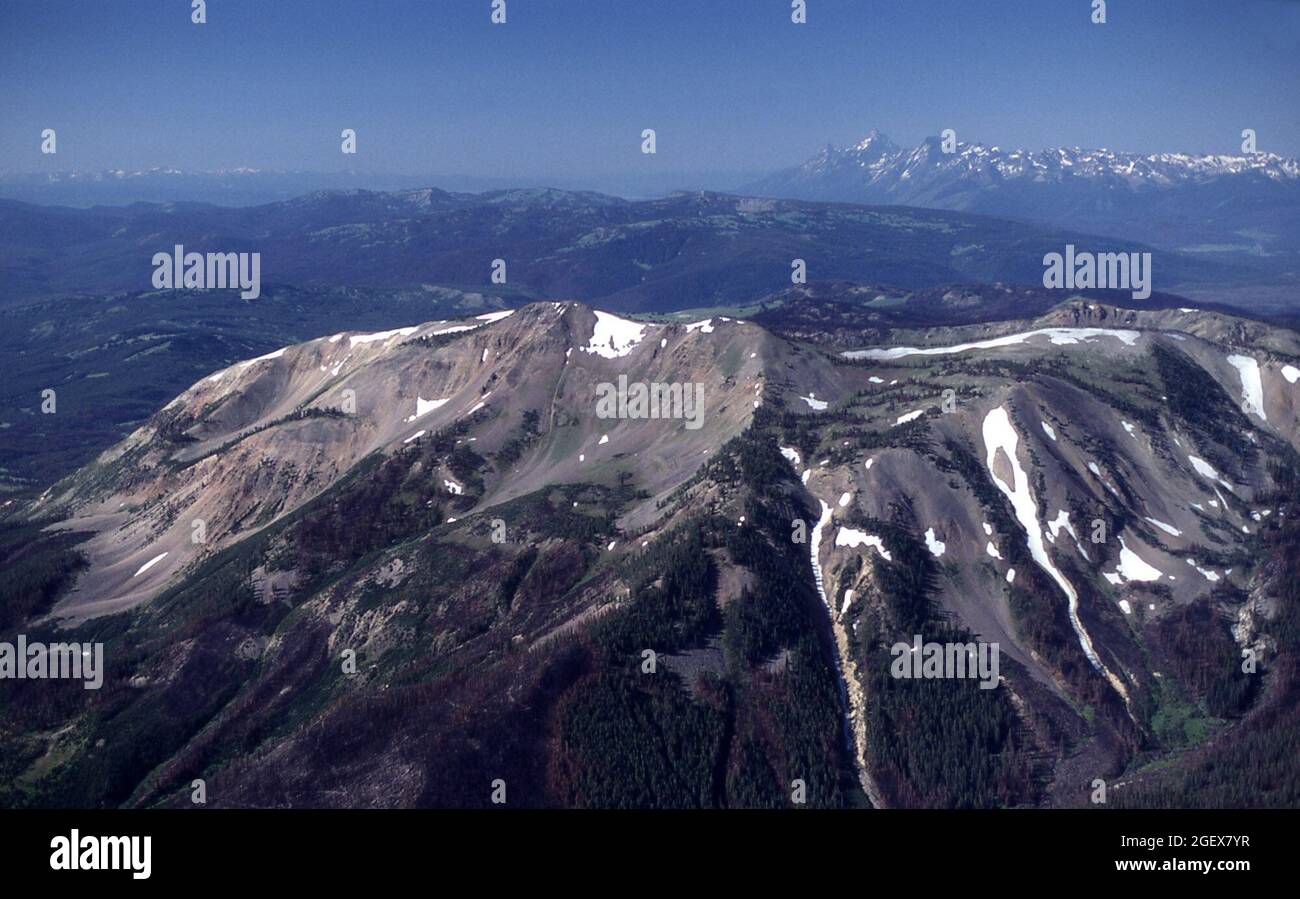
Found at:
[381, 335]
[1057, 336]
[1167, 528]
[999, 434]
[151, 563]
[1252, 385]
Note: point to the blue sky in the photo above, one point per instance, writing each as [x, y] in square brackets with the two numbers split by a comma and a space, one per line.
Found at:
[565, 87]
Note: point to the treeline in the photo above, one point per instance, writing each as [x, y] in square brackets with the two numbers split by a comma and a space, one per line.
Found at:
[1037, 604]
[672, 605]
[389, 503]
[38, 567]
[513, 448]
[640, 744]
[939, 742]
[1253, 765]
[740, 736]
[1194, 396]
[1200, 650]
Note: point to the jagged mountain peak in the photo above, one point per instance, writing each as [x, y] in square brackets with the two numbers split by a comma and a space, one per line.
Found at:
[875, 142]
[1158, 168]
[1235, 204]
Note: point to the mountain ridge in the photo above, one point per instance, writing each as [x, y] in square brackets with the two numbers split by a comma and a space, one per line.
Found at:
[686, 250]
[1234, 205]
[1081, 488]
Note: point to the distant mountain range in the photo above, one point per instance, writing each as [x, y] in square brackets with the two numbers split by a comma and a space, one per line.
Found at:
[227, 187]
[689, 250]
[1211, 204]
[246, 186]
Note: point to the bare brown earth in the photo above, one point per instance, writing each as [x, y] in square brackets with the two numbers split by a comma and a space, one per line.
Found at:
[1098, 430]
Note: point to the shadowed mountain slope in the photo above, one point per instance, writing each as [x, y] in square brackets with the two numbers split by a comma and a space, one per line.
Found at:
[428, 562]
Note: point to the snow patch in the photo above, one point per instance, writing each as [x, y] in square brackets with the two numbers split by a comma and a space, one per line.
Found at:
[613, 336]
[1058, 336]
[1206, 470]
[151, 563]
[933, 544]
[1209, 575]
[816, 542]
[381, 335]
[999, 434]
[276, 354]
[1167, 528]
[1133, 567]
[853, 538]
[424, 407]
[1252, 385]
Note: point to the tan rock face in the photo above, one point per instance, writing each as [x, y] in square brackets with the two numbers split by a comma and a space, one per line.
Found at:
[247, 445]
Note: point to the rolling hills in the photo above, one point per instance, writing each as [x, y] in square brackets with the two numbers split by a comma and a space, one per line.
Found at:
[682, 251]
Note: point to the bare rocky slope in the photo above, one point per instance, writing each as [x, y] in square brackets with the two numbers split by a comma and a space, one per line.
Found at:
[634, 611]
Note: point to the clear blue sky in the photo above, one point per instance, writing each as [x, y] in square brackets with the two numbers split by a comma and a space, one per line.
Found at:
[564, 89]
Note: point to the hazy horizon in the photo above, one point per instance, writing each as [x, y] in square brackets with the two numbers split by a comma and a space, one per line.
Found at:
[562, 91]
